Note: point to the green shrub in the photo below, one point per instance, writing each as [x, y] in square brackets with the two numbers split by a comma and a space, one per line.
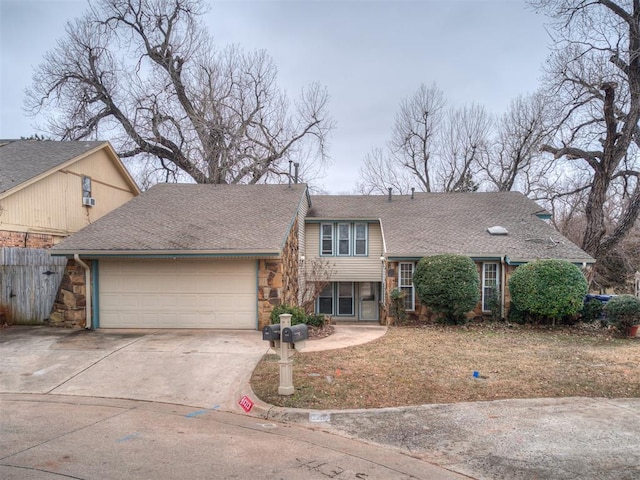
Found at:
[495, 307]
[298, 314]
[315, 320]
[397, 306]
[623, 311]
[449, 285]
[592, 310]
[516, 315]
[548, 289]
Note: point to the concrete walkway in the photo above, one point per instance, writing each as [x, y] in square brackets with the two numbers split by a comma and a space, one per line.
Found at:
[346, 336]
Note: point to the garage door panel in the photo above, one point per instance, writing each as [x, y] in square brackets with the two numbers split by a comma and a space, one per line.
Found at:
[178, 294]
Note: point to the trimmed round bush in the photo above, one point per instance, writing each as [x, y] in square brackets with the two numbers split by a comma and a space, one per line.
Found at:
[548, 289]
[623, 311]
[449, 285]
[298, 314]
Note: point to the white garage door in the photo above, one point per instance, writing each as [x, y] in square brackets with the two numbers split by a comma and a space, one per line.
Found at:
[191, 293]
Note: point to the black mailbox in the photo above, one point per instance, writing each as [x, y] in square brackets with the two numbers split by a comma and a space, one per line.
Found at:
[271, 332]
[294, 334]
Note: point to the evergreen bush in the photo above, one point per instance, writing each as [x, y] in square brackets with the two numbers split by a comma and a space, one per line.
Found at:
[449, 285]
[623, 311]
[298, 314]
[548, 289]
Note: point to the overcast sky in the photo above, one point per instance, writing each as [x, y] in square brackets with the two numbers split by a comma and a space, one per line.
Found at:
[369, 54]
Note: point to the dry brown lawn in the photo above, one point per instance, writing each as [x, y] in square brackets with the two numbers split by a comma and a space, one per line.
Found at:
[435, 364]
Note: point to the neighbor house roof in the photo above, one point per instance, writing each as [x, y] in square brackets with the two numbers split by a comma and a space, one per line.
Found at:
[190, 219]
[22, 161]
[437, 223]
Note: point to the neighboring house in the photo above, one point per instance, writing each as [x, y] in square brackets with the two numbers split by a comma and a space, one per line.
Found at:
[221, 256]
[49, 190]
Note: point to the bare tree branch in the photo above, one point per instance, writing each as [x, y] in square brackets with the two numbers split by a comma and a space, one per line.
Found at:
[145, 75]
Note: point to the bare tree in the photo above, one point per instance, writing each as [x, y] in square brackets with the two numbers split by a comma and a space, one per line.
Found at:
[431, 148]
[464, 143]
[594, 74]
[514, 161]
[317, 274]
[145, 74]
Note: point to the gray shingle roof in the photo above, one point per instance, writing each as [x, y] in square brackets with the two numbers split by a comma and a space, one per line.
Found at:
[188, 218]
[22, 160]
[436, 223]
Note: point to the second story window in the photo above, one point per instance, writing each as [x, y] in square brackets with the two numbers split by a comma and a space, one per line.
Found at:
[360, 235]
[86, 187]
[326, 241]
[344, 239]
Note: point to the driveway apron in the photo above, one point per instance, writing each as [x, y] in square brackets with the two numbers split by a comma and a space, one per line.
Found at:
[201, 368]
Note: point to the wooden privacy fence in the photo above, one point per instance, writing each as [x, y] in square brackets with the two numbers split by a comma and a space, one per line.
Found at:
[29, 282]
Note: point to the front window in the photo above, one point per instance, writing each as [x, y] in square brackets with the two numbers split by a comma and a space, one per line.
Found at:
[325, 300]
[405, 282]
[489, 285]
[344, 239]
[345, 298]
[327, 239]
[361, 238]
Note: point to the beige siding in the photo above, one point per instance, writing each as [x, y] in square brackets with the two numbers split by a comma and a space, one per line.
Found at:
[54, 204]
[350, 269]
[302, 213]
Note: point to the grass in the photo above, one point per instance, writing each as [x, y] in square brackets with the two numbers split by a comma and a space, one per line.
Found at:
[435, 364]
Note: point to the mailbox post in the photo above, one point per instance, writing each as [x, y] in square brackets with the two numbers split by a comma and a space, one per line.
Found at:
[283, 338]
[286, 363]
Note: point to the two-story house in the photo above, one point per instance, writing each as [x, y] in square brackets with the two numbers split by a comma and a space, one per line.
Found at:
[221, 256]
[375, 241]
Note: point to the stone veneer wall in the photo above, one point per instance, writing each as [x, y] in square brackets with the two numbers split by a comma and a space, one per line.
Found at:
[69, 309]
[278, 279]
[421, 312]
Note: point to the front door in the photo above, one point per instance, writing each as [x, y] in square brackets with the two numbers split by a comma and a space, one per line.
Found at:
[368, 295]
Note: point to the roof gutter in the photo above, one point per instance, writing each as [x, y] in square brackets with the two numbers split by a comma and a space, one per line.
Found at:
[166, 253]
[521, 261]
[87, 282]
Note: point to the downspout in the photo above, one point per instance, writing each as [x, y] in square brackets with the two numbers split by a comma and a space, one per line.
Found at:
[87, 282]
[503, 292]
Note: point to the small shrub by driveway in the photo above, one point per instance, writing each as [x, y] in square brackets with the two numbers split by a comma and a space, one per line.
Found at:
[435, 364]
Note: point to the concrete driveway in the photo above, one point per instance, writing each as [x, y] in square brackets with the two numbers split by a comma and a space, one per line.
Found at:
[200, 368]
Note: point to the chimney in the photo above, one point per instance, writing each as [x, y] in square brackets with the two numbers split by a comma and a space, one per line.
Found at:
[389, 194]
[297, 166]
[412, 192]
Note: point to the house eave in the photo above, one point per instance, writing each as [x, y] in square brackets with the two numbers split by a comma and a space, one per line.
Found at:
[343, 219]
[171, 254]
[418, 256]
[523, 260]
